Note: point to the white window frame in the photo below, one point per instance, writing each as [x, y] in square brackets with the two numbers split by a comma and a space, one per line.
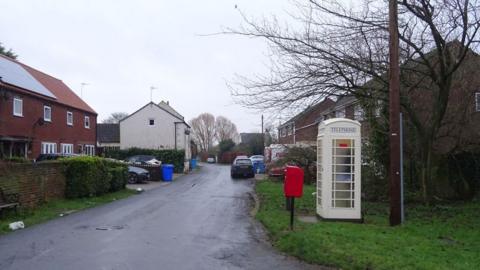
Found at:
[340, 113]
[17, 106]
[67, 148]
[89, 149]
[48, 148]
[477, 101]
[87, 122]
[283, 132]
[45, 110]
[69, 117]
[358, 113]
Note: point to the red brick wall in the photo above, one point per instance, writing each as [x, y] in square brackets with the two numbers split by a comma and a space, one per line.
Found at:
[34, 183]
[56, 131]
[306, 126]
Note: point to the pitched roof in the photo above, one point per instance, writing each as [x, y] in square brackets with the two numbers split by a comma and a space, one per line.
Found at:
[326, 102]
[108, 133]
[166, 106]
[61, 92]
[163, 108]
[248, 137]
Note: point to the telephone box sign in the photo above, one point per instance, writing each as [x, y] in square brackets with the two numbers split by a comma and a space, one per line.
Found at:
[343, 129]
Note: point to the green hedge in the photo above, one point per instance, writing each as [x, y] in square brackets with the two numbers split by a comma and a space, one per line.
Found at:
[175, 157]
[93, 176]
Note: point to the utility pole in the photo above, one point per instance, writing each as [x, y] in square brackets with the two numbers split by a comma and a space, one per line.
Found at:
[394, 106]
[263, 135]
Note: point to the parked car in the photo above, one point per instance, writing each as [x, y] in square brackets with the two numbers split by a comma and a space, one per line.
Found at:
[242, 167]
[276, 171]
[43, 157]
[257, 158]
[211, 160]
[137, 175]
[144, 160]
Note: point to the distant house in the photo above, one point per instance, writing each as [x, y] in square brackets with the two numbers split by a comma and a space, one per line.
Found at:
[40, 114]
[155, 126]
[108, 137]
[303, 127]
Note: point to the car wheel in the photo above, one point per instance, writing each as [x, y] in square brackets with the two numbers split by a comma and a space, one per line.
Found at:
[132, 178]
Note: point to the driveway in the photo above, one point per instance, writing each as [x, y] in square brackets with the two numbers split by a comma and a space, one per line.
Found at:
[200, 221]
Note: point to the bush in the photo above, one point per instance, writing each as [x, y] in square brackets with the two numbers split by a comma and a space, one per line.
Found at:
[92, 176]
[119, 178]
[175, 157]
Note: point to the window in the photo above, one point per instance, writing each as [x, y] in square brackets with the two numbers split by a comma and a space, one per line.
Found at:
[289, 130]
[89, 149]
[70, 118]
[340, 113]
[87, 122]
[283, 132]
[17, 106]
[151, 122]
[477, 101]
[47, 113]
[358, 113]
[67, 148]
[343, 173]
[49, 148]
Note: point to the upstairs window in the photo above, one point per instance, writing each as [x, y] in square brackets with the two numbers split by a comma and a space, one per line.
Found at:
[47, 113]
[340, 113]
[358, 113]
[477, 101]
[70, 118]
[151, 122]
[87, 122]
[17, 106]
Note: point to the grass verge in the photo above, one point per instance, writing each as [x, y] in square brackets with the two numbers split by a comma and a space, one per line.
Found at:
[54, 208]
[440, 237]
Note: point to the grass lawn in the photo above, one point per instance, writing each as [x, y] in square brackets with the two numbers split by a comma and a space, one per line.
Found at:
[441, 237]
[54, 208]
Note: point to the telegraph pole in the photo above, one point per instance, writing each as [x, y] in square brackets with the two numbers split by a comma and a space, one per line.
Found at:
[394, 106]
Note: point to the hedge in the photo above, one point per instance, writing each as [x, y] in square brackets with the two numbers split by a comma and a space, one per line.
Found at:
[175, 157]
[93, 176]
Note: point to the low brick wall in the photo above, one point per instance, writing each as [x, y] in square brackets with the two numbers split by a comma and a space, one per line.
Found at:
[34, 183]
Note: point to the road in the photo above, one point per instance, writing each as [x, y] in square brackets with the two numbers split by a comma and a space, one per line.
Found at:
[200, 221]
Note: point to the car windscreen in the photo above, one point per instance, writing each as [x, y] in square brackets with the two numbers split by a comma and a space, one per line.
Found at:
[243, 162]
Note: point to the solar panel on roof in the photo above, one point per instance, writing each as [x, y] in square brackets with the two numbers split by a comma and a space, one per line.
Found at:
[13, 73]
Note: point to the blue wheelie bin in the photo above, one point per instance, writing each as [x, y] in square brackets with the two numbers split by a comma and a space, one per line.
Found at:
[193, 163]
[167, 172]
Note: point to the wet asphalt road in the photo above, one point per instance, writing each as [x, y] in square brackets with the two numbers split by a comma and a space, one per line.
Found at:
[200, 221]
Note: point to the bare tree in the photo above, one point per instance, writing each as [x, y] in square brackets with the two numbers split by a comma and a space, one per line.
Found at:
[115, 117]
[203, 129]
[225, 129]
[339, 50]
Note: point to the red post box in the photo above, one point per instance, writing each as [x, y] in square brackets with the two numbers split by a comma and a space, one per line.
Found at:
[293, 186]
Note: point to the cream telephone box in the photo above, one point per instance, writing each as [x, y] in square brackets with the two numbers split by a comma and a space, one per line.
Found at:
[339, 169]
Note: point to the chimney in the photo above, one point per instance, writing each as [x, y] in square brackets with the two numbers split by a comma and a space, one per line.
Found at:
[168, 102]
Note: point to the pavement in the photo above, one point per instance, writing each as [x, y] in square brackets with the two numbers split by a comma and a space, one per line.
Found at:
[199, 221]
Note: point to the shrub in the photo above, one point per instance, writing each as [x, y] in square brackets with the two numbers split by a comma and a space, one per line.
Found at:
[93, 176]
[175, 157]
[119, 178]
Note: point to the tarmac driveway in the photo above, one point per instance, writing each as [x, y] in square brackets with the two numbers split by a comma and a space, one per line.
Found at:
[200, 221]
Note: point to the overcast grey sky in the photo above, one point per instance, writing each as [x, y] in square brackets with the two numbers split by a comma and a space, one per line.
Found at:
[121, 48]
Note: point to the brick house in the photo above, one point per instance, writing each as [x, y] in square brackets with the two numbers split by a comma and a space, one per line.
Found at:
[40, 114]
[303, 128]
